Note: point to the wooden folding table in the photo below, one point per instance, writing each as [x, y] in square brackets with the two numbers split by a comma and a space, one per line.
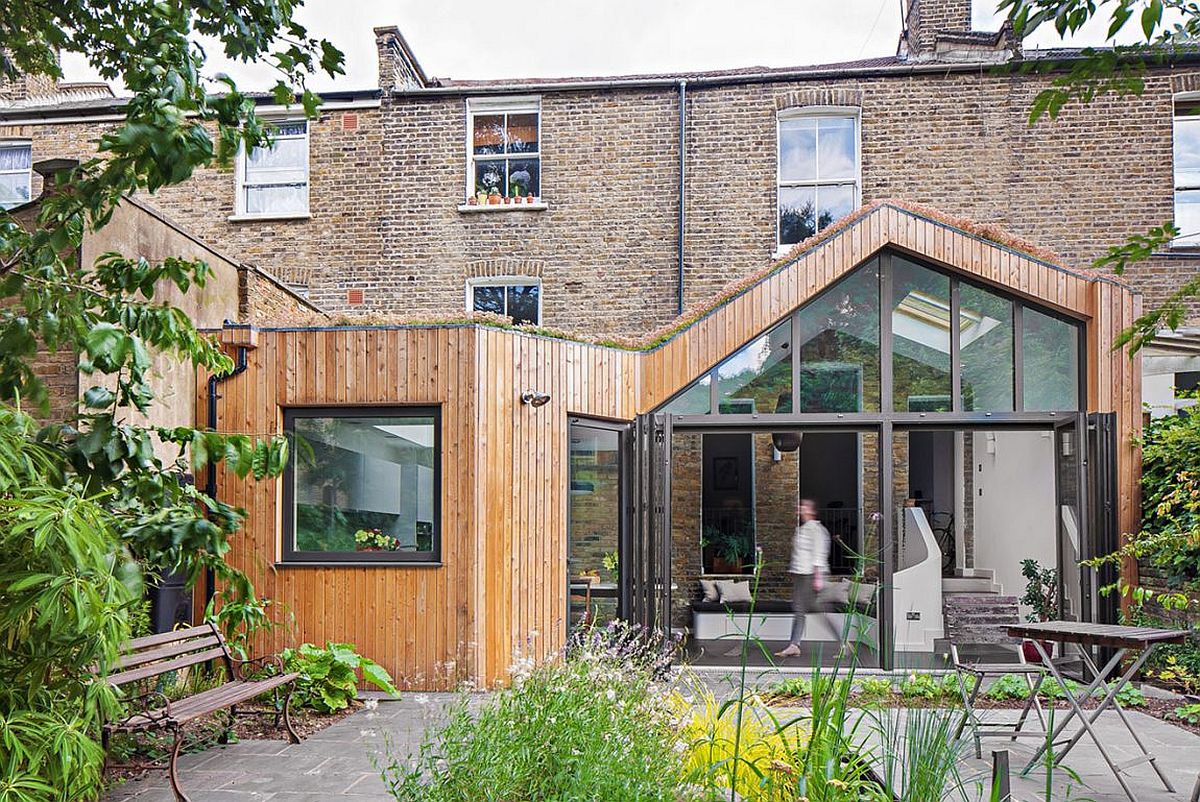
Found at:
[1141, 641]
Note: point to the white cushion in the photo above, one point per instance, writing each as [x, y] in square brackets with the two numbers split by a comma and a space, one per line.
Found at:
[709, 589]
[733, 591]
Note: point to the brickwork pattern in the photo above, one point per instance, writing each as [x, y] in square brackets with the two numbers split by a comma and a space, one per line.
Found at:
[385, 190]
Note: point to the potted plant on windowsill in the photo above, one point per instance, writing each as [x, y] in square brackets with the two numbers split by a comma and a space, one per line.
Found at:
[729, 549]
[374, 540]
[1041, 595]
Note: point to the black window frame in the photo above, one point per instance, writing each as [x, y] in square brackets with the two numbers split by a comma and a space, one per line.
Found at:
[292, 556]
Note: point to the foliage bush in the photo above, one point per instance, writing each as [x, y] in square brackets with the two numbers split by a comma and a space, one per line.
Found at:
[591, 726]
[739, 747]
[67, 591]
[329, 677]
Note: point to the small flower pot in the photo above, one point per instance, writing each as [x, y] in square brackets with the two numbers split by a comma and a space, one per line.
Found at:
[368, 548]
[1031, 653]
[472, 201]
[529, 199]
[507, 201]
[493, 200]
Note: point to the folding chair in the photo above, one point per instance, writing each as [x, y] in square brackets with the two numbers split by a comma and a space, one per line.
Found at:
[980, 620]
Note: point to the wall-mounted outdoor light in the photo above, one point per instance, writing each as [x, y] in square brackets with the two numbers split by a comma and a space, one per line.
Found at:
[535, 398]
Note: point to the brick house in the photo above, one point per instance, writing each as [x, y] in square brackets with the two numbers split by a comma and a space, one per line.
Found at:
[605, 208]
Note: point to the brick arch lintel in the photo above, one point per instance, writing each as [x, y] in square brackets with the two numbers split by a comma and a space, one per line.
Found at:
[505, 266]
[825, 96]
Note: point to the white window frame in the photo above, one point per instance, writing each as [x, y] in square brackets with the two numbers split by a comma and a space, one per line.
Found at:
[239, 204]
[504, 281]
[28, 172]
[523, 104]
[1186, 239]
[853, 112]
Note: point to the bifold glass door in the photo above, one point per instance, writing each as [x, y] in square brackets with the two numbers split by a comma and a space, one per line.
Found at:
[596, 505]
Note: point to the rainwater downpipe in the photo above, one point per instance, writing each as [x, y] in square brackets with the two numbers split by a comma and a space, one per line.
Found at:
[682, 185]
[210, 485]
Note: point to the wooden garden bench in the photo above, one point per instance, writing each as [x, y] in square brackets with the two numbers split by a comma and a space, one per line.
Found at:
[155, 655]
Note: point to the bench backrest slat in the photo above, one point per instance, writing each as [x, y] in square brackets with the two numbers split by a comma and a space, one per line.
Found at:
[982, 618]
[202, 631]
[143, 656]
[154, 669]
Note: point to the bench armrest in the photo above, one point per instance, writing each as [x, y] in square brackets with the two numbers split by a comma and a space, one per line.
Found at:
[154, 706]
[257, 668]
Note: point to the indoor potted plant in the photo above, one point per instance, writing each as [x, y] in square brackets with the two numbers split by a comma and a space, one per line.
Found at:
[729, 549]
[374, 540]
[1041, 596]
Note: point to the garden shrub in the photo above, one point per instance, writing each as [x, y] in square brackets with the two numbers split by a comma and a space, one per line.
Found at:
[67, 590]
[589, 727]
[739, 746]
[329, 677]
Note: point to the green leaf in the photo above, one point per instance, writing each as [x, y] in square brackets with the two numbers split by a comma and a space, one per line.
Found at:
[99, 397]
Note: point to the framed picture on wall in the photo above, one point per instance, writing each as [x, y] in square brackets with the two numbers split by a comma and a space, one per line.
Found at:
[725, 473]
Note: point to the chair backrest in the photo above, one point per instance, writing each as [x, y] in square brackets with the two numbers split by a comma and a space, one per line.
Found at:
[976, 619]
[153, 655]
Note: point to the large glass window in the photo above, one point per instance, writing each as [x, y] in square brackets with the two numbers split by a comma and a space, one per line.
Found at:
[504, 156]
[838, 338]
[818, 172]
[921, 380]
[759, 377]
[838, 334]
[985, 339]
[1050, 356]
[362, 485]
[518, 298]
[274, 180]
[16, 162]
[1187, 176]
[695, 400]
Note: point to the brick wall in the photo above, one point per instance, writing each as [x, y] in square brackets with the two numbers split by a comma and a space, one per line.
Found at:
[386, 184]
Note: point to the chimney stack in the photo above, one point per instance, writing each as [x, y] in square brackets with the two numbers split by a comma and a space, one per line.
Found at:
[398, 67]
[940, 30]
[24, 86]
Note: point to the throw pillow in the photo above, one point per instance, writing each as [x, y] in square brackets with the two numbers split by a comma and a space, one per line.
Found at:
[733, 591]
[837, 592]
[709, 589]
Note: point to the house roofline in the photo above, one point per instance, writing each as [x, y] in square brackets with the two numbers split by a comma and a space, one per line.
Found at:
[885, 67]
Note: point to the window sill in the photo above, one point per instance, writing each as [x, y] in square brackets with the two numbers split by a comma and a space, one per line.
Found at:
[358, 564]
[537, 206]
[248, 218]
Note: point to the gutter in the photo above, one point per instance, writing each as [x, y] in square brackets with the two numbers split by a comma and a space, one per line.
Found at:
[210, 485]
[682, 184]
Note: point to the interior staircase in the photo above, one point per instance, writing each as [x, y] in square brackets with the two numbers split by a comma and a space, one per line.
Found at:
[978, 580]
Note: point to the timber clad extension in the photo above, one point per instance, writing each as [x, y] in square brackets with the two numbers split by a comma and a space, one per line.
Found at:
[500, 588]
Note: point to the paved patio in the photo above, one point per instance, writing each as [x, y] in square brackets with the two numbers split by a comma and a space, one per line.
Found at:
[337, 762]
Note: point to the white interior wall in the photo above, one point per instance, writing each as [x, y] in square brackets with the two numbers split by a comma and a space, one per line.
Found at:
[1014, 503]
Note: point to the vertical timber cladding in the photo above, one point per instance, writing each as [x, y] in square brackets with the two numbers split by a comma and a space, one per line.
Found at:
[501, 587]
[522, 490]
[500, 590]
[418, 621]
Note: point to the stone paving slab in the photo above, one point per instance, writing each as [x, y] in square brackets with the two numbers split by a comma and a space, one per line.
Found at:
[337, 762]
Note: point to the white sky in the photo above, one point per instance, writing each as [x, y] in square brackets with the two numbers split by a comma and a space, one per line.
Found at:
[547, 38]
